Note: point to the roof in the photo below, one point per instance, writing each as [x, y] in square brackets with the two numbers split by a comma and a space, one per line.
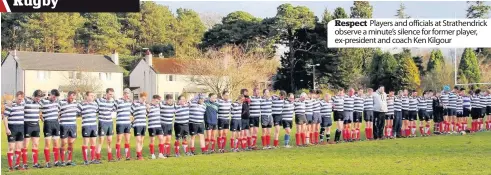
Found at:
[168, 66]
[66, 62]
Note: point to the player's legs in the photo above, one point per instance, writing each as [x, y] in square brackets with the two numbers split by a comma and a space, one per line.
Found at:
[10, 154]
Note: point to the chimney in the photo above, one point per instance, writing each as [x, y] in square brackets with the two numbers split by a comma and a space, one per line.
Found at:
[148, 58]
[115, 57]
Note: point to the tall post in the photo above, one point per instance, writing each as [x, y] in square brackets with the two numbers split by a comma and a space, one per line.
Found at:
[313, 76]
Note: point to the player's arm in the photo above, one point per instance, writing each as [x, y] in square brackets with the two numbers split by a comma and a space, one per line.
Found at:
[6, 114]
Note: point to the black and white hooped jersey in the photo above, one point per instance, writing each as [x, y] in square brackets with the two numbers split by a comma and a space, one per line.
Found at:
[197, 113]
[236, 111]
[255, 106]
[266, 106]
[429, 104]
[182, 114]
[422, 103]
[153, 115]
[368, 103]
[88, 110]
[390, 105]
[476, 101]
[167, 112]
[224, 109]
[405, 103]
[123, 109]
[459, 106]
[68, 112]
[106, 107]
[482, 101]
[413, 103]
[316, 106]
[338, 102]
[487, 101]
[139, 112]
[444, 99]
[277, 105]
[299, 108]
[50, 109]
[359, 103]
[326, 108]
[466, 102]
[31, 110]
[349, 103]
[309, 106]
[452, 100]
[14, 113]
[288, 110]
[397, 104]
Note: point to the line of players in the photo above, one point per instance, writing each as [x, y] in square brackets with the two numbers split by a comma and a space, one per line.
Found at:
[216, 117]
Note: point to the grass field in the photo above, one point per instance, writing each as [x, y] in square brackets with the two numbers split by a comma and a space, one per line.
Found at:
[451, 154]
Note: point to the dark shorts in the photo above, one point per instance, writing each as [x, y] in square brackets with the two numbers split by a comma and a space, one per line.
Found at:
[488, 110]
[155, 131]
[181, 130]
[139, 130]
[405, 115]
[123, 128]
[475, 113]
[266, 121]
[389, 116]
[357, 117]
[211, 126]
[51, 128]
[223, 124]
[16, 133]
[196, 128]
[423, 115]
[467, 112]
[309, 117]
[287, 124]
[483, 112]
[68, 131]
[300, 119]
[338, 115]
[235, 125]
[460, 114]
[348, 117]
[277, 119]
[89, 131]
[254, 122]
[368, 116]
[31, 129]
[105, 129]
[317, 118]
[413, 115]
[398, 115]
[167, 129]
[451, 112]
[326, 122]
[244, 124]
[430, 115]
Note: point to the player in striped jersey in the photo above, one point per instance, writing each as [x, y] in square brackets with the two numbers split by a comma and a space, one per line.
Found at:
[31, 127]
[277, 111]
[476, 110]
[429, 111]
[309, 114]
[50, 108]
[368, 113]
[235, 124]
[317, 119]
[105, 124]
[139, 122]
[488, 109]
[389, 116]
[154, 127]
[459, 108]
[452, 116]
[287, 117]
[88, 110]
[338, 108]
[266, 119]
[68, 125]
[181, 125]
[466, 105]
[167, 112]
[438, 112]
[255, 111]
[301, 120]
[445, 101]
[326, 114]
[396, 132]
[224, 112]
[422, 114]
[196, 123]
[123, 124]
[348, 114]
[13, 122]
[482, 106]
[357, 113]
[413, 113]
[405, 113]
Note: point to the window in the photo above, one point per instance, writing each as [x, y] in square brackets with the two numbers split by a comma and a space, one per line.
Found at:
[104, 76]
[135, 96]
[176, 95]
[73, 75]
[171, 78]
[43, 75]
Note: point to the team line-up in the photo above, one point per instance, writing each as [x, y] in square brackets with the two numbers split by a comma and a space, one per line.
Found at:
[386, 116]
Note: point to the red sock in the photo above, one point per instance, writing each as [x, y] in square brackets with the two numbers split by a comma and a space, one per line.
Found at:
[232, 143]
[212, 144]
[167, 150]
[297, 139]
[249, 143]
[263, 140]
[176, 147]
[207, 142]
[219, 139]
[473, 126]
[62, 154]
[421, 130]
[24, 155]
[408, 132]
[193, 149]
[304, 138]
[56, 152]
[366, 133]
[237, 144]
[47, 155]
[429, 129]
[98, 156]
[70, 153]
[10, 157]
[34, 156]
[18, 154]
[203, 149]
[223, 142]
[92, 152]
[127, 150]
[242, 143]
[311, 136]
[254, 140]
[118, 151]
[161, 148]
[268, 140]
[84, 152]
[275, 142]
[358, 134]
[152, 149]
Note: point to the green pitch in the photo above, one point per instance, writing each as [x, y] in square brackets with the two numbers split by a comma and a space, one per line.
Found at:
[451, 154]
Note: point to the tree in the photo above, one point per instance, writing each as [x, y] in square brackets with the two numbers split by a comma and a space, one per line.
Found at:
[229, 68]
[157, 22]
[339, 13]
[438, 77]
[289, 19]
[382, 70]
[13, 33]
[326, 17]
[436, 60]
[469, 67]
[407, 74]
[102, 34]
[210, 19]
[188, 32]
[478, 9]
[361, 9]
[401, 12]
[83, 82]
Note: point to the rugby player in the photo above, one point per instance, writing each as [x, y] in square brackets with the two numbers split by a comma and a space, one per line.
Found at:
[287, 117]
[154, 127]
[405, 114]
[396, 131]
[13, 122]
[452, 116]
[338, 108]
[224, 111]
[245, 120]
[466, 104]
[196, 123]
[266, 119]
[422, 114]
[316, 119]
[50, 108]
[181, 126]
[139, 122]
[445, 102]
[105, 125]
[357, 113]
[367, 113]
[31, 127]
[413, 113]
[309, 114]
[389, 116]
[300, 120]
[235, 124]
[68, 126]
[88, 110]
[123, 124]
[255, 114]
[167, 112]
[326, 113]
[349, 100]
[278, 102]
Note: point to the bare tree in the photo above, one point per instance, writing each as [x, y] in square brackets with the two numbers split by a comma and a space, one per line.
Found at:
[209, 19]
[81, 82]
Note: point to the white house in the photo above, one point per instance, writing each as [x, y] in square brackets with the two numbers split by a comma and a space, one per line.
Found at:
[29, 71]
